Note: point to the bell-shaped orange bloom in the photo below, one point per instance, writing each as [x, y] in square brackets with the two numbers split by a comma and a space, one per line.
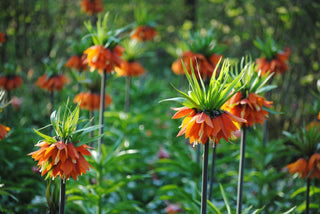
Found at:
[102, 58]
[318, 116]
[199, 127]
[63, 159]
[91, 6]
[143, 33]
[314, 165]
[250, 109]
[276, 65]
[77, 62]
[2, 37]
[130, 69]
[55, 82]
[300, 167]
[91, 101]
[3, 131]
[10, 82]
[206, 67]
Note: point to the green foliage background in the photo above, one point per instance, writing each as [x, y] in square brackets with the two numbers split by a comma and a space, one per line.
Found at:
[38, 30]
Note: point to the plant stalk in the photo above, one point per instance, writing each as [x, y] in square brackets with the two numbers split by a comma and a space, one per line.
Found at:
[102, 107]
[212, 170]
[128, 85]
[204, 179]
[241, 168]
[308, 195]
[62, 196]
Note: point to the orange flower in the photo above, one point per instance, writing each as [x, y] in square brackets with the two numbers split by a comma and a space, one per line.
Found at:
[129, 69]
[305, 168]
[10, 82]
[2, 37]
[91, 101]
[250, 109]
[77, 62]
[314, 165]
[55, 82]
[318, 116]
[200, 126]
[63, 159]
[276, 65]
[102, 58]
[206, 67]
[3, 131]
[143, 33]
[300, 167]
[91, 6]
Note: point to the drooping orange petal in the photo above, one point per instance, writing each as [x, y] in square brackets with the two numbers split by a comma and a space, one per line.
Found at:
[182, 112]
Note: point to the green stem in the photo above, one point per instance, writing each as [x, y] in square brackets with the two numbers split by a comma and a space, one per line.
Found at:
[102, 107]
[204, 179]
[62, 196]
[308, 195]
[241, 168]
[8, 108]
[212, 170]
[91, 117]
[128, 85]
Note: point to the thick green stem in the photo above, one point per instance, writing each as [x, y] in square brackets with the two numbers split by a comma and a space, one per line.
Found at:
[308, 195]
[102, 107]
[204, 179]
[241, 168]
[62, 196]
[212, 170]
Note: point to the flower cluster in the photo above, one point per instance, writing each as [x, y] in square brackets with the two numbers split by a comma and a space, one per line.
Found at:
[274, 59]
[2, 37]
[201, 126]
[9, 82]
[60, 158]
[63, 154]
[51, 82]
[90, 100]
[203, 52]
[76, 62]
[306, 168]
[143, 33]
[204, 120]
[247, 103]
[91, 7]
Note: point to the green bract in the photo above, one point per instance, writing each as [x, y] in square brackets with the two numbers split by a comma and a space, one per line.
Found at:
[220, 89]
[105, 33]
[252, 82]
[133, 50]
[204, 42]
[305, 141]
[69, 128]
[268, 47]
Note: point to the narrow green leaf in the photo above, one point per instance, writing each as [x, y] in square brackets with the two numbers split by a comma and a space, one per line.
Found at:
[47, 138]
[225, 198]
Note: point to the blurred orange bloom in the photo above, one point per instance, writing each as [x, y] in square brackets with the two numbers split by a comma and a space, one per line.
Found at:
[91, 101]
[250, 109]
[300, 167]
[91, 6]
[318, 116]
[173, 208]
[2, 37]
[63, 159]
[305, 168]
[55, 82]
[77, 62]
[130, 69]
[206, 67]
[199, 126]
[3, 131]
[102, 58]
[143, 33]
[10, 82]
[314, 165]
[276, 65]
